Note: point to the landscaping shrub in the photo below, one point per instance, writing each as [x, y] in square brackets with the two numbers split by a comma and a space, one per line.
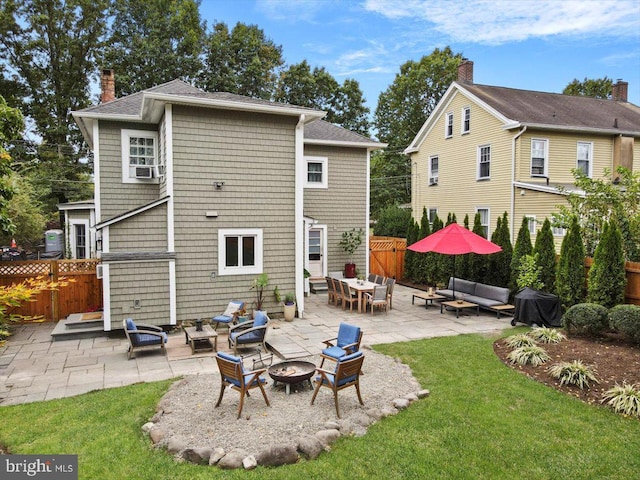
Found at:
[589, 318]
[626, 320]
[570, 278]
[573, 373]
[519, 340]
[546, 335]
[624, 399]
[607, 277]
[529, 355]
[546, 251]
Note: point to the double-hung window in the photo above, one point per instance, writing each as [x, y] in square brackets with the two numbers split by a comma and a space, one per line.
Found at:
[531, 224]
[316, 172]
[484, 220]
[448, 129]
[585, 156]
[240, 251]
[484, 162]
[433, 170]
[139, 155]
[433, 213]
[466, 120]
[539, 155]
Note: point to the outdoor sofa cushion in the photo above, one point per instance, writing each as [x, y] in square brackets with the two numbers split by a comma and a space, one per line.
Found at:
[475, 292]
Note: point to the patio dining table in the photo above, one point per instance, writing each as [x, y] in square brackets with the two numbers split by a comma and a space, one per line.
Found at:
[361, 289]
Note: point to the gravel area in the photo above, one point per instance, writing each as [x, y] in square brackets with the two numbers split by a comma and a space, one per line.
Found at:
[186, 413]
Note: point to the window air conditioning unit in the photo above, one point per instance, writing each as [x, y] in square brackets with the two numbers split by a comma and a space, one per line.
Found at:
[433, 180]
[144, 172]
[99, 272]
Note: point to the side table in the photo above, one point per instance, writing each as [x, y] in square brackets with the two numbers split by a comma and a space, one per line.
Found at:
[201, 340]
[458, 305]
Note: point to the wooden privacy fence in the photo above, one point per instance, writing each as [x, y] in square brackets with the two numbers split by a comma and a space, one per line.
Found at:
[81, 295]
[386, 256]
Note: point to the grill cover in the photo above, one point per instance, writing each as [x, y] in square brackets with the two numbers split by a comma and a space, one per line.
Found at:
[534, 306]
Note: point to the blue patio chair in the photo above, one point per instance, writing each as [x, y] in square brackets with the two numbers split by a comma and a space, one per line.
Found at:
[347, 342]
[140, 336]
[228, 316]
[237, 378]
[346, 374]
[249, 333]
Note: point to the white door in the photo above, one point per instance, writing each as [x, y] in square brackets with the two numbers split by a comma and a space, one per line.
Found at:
[316, 252]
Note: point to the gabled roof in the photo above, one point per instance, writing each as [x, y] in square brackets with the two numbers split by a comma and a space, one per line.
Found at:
[550, 111]
[147, 106]
[325, 133]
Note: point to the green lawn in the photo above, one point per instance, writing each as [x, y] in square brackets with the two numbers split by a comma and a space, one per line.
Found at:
[482, 420]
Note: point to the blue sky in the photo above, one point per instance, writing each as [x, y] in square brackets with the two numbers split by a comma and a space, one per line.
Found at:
[529, 44]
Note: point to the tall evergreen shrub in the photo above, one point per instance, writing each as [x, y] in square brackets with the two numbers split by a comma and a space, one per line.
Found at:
[546, 250]
[570, 277]
[522, 247]
[424, 258]
[607, 278]
[433, 259]
[479, 263]
[500, 263]
[410, 257]
[463, 267]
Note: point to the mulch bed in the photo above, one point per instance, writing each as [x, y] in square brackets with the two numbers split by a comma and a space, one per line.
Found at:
[615, 361]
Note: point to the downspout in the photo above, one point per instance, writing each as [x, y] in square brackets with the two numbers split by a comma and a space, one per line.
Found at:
[513, 180]
[299, 215]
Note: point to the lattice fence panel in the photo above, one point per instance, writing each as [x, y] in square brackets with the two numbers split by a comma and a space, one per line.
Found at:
[25, 269]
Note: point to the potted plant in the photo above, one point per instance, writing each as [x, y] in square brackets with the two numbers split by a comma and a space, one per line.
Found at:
[289, 306]
[351, 240]
[259, 284]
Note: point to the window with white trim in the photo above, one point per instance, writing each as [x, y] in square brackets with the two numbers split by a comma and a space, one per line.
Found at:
[433, 170]
[531, 223]
[466, 120]
[558, 231]
[79, 239]
[539, 156]
[448, 128]
[240, 251]
[316, 172]
[585, 156]
[432, 213]
[484, 162]
[139, 155]
[484, 220]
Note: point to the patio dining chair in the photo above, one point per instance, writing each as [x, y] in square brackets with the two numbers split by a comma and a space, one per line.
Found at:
[140, 335]
[346, 374]
[348, 296]
[378, 298]
[246, 334]
[228, 317]
[237, 378]
[347, 342]
[331, 290]
[372, 277]
[390, 283]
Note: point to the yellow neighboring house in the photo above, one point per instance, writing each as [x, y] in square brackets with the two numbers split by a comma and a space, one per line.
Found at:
[494, 149]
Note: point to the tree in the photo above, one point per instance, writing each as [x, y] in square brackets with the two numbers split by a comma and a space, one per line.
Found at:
[607, 276]
[479, 263]
[299, 85]
[153, 42]
[522, 248]
[393, 221]
[427, 262]
[570, 276]
[25, 213]
[464, 261]
[605, 200]
[402, 110]
[597, 88]
[499, 264]
[11, 126]
[241, 61]
[411, 257]
[545, 250]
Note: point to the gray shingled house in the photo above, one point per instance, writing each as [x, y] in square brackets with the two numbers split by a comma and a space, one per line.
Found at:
[197, 193]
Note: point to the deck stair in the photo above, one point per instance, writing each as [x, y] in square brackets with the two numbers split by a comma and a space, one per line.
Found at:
[79, 325]
[318, 285]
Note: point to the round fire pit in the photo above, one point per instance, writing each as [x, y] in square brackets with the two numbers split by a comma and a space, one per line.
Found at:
[291, 373]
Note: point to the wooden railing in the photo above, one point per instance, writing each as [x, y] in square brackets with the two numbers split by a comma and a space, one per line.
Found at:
[81, 295]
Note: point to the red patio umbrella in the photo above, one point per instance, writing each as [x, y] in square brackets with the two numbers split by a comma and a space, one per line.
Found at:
[455, 240]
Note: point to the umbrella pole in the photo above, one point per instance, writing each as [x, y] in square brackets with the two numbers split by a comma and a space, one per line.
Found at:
[453, 281]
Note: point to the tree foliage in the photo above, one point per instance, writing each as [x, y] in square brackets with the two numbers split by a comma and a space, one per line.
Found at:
[545, 250]
[604, 201]
[393, 221]
[241, 61]
[500, 263]
[25, 212]
[570, 277]
[479, 263]
[607, 276]
[402, 110]
[589, 87]
[153, 42]
[521, 248]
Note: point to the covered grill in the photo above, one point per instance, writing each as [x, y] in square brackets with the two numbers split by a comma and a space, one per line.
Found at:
[534, 306]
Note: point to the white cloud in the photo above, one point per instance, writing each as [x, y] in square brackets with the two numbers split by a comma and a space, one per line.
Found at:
[291, 10]
[499, 21]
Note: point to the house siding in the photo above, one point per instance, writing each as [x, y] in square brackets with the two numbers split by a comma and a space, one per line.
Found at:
[117, 197]
[540, 205]
[253, 154]
[458, 190]
[147, 282]
[145, 232]
[342, 206]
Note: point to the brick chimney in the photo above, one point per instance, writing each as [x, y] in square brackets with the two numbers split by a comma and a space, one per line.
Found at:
[107, 85]
[619, 91]
[465, 71]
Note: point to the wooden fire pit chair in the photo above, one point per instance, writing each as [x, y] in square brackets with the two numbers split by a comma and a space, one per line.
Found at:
[235, 376]
[346, 374]
[347, 342]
